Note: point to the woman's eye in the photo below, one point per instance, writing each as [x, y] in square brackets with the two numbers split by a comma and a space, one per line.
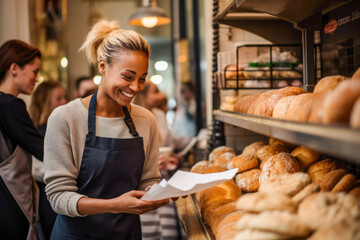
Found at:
[127, 77]
[142, 79]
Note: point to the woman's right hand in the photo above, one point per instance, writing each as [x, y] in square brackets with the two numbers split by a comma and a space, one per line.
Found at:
[130, 203]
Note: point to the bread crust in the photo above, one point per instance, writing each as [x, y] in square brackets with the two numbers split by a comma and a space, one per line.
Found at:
[223, 159]
[292, 113]
[305, 192]
[243, 162]
[281, 107]
[330, 179]
[222, 222]
[355, 115]
[200, 166]
[318, 169]
[264, 152]
[355, 192]
[243, 104]
[248, 181]
[305, 156]
[328, 83]
[218, 151]
[253, 148]
[345, 184]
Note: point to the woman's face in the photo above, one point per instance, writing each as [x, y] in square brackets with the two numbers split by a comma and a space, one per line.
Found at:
[57, 97]
[125, 76]
[27, 76]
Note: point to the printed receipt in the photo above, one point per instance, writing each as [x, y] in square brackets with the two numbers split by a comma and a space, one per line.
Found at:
[185, 183]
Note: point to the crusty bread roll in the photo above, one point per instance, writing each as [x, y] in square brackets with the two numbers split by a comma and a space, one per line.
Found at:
[242, 104]
[288, 183]
[268, 151]
[305, 192]
[267, 107]
[305, 156]
[259, 201]
[328, 83]
[304, 110]
[345, 184]
[220, 226]
[329, 180]
[248, 181]
[317, 108]
[324, 208]
[278, 164]
[282, 106]
[275, 221]
[225, 190]
[255, 107]
[355, 114]
[253, 148]
[296, 103]
[218, 151]
[223, 159]
[243, 162]
[200, 166]
[276, 141]
[342, 99]
[318, 169]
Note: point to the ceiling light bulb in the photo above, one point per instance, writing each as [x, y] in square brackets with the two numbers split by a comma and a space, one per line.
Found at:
[157, 79]
[149, 22]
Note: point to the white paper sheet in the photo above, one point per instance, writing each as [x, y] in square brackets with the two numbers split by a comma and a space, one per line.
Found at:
[185, 183]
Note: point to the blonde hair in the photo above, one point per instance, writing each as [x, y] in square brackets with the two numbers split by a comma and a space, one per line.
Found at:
[106, 38]
[40, 106]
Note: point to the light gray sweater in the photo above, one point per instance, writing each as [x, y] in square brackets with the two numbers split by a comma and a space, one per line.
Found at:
[65, 142]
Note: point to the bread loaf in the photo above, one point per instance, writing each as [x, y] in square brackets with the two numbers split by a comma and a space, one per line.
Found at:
[242, 104]
[317, 108]
[218, 151]
[248, 181]
[253, 148]
[225, 190]
[278, 164]
[200, 166]
[342, 99]
[356, 75]
[213, 169]
[305, 156]
[318, 169]
[345, 184]
[328, 83]
[305, 192]
[304, 110]
[243, 162]
[282, 106]
[355, 114]
[330, 179]
[220, 226]
[294, 106]
[355, 192]
[267, 151]
[223, 159]
[255, 107]
[220, 211]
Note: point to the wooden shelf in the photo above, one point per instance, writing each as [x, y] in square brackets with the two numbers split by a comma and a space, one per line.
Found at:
[334, 140]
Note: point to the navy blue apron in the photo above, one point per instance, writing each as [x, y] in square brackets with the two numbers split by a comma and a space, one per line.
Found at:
[109, 168]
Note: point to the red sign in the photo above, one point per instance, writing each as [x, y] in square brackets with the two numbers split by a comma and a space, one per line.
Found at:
[330, 27]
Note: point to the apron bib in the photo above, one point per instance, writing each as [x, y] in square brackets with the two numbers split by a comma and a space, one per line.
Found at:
[109, 168]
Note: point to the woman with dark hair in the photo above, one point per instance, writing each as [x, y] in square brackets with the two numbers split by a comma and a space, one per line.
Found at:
[19, 139]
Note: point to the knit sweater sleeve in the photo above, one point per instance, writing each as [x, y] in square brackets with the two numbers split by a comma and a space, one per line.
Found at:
[61, 169]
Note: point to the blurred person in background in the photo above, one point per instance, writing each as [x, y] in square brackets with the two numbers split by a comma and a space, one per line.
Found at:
[47, 96]
[84, 86]
[19, 139]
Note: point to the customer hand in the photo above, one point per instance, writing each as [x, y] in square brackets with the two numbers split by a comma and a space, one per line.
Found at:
[130, 203]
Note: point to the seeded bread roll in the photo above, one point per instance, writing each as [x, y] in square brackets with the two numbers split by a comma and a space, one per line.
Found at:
[248, 181]
[218, 151]
[243, 162]
[342, 99]
[328, 83]
[330, 179]
[267, 151]
[305, 156]
[278, 164]
[345, 184]
[292, 113]
[223, 159]
[253, 148]
[355, 115]
[318, 169]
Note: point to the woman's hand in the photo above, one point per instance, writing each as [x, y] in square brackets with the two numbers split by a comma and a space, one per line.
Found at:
[162, 162]
[130, 203]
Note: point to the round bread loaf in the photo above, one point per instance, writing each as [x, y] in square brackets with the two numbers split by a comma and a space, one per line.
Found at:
[355, 192]
[252, 234]
[229, 219]
[288, 183]
[259, 201]
[242, 104]
[305, 156]
[225, 190]
[345, 184]
[248, 181]
[318, 169]
[317, 108]
[255, 107]
[267, 151]
[282, 106]
[325, 208]
[243, 162]
[330, 179]
[328, 83]
[278, 164]
[342, 99]
[223, 159]
[342, 230]
[296, 103]
[276, 141]
[355, 115]
[218, 151]
[274, 221]
[253, 148]
[200, 166]
[304, 110]
[305, 192]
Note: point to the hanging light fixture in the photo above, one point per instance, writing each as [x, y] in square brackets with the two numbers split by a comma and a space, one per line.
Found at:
[149, 15]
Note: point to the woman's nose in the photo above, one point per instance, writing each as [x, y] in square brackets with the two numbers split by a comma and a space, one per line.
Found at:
[134, 86]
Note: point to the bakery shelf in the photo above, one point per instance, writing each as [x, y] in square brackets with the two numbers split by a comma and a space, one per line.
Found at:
[334, 140]
[188, 211]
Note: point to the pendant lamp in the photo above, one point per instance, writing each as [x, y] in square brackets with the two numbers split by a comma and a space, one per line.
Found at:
[149, 15]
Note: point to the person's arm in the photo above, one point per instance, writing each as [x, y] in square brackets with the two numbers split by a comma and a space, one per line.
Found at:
[19, 127]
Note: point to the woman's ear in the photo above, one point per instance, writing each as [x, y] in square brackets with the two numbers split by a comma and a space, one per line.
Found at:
[14, 69]
[102, 66]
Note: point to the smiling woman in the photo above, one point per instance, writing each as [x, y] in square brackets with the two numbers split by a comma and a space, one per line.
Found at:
[108, 172]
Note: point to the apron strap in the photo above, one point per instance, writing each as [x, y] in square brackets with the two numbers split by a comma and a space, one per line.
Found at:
[92, 115]
[129, 123]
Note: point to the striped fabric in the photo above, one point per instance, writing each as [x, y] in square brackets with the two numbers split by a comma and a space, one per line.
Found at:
[162, 224]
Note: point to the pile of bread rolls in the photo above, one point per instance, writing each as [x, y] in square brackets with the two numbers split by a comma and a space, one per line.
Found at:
[278, 192]
[335, 99]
